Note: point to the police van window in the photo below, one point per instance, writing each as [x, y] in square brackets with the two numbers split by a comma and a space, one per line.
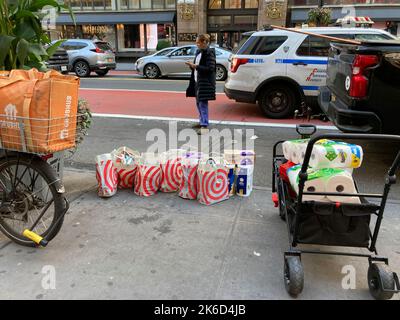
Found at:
[368, 36]
[262, 45]
[317, 46]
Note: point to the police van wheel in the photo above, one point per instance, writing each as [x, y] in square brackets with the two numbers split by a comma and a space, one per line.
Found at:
[277, 102]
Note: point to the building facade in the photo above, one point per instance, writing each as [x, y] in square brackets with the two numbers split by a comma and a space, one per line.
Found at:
[134, 27]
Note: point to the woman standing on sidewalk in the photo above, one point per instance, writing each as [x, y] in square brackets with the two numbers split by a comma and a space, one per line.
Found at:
[202, 81]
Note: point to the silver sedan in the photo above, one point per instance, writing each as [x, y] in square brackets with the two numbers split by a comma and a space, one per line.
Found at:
[171, 62]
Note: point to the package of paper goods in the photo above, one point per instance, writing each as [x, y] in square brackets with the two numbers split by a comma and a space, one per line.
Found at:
[244, 178]
[212, 180]
[171, 169]
[126, 162]
[324, 180]
[325, 153]
[106, 174]
[332, 154]
[38, 111]
[148, 176]
[233, 156]
[189, 165]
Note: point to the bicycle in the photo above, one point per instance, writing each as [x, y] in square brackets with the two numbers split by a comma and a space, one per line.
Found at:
[32, 200]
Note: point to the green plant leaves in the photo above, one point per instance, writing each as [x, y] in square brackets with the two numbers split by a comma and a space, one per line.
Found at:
[53, 48]
[5, 46]
[22, 51]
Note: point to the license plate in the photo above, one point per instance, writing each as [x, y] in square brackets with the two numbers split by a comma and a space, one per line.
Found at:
[63, 68]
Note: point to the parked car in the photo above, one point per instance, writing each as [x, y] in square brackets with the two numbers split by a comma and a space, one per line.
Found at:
[86, 56]
[172, 62]
[280, 69]
[363, 87]
[59, 61]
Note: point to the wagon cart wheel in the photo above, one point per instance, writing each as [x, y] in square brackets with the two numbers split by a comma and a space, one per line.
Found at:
[376, 287]
[293, 275]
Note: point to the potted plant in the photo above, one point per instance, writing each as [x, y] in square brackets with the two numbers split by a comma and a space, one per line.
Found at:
[22, 38]
[319, 17]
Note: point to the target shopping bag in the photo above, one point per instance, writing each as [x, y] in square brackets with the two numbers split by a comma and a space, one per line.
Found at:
[189, 164]
[126, 162]
[171, 170]
[212, 181]
[148, 175]
[106, 175]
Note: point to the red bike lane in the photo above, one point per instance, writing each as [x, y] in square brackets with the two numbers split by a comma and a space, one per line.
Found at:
[175, 105]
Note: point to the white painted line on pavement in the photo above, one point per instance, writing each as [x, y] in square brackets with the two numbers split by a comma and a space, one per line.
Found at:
[224, 122]
[137, 90]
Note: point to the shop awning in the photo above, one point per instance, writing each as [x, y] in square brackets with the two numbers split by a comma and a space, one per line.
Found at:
[117, 18]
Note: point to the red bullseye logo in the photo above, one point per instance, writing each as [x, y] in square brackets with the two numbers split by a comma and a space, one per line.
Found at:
[188, 188]
[148, 181]
[214, 186]
[127, 177]
[171, 175]
[107, 177]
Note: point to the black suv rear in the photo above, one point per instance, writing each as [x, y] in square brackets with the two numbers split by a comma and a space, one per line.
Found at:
[59, 61]
[363, 87]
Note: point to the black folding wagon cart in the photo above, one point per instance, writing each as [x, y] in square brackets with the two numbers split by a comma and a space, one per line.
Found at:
[333, 223]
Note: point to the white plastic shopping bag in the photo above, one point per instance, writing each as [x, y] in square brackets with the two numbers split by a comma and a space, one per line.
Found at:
[148, 176]
[106, 175]
[126, 162]
[212, 180]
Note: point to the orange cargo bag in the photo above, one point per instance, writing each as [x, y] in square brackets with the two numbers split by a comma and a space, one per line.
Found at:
[38, 111]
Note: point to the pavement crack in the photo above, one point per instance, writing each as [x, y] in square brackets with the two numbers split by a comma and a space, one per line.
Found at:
[224, 256]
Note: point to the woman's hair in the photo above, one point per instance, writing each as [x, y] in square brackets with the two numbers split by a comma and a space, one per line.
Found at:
[204, 38]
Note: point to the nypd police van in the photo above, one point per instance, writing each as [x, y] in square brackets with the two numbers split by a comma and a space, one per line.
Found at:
[280, 69]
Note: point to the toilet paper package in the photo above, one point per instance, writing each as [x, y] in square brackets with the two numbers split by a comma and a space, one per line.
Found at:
[244, 180]
[324, 180]
[292, 149]
[332, 154]
[315, 183]
[239, 156]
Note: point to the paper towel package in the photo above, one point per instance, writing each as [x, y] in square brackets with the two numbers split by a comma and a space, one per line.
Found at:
[244, 180]
[325, 180]
[331, 154]
[239, 156]
[292, 149]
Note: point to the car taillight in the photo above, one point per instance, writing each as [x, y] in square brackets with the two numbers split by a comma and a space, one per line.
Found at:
[237, 62]
[97, 50]
[359, 79]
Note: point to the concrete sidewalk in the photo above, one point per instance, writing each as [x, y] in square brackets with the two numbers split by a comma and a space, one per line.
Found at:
[164, 247]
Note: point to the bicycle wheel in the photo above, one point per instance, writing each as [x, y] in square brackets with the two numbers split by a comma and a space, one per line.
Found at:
[29, 198]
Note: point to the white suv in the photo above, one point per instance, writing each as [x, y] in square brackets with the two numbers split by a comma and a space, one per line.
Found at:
[280, 69]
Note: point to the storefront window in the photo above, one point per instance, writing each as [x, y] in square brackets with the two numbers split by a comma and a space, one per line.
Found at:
[215, 4]
[109, 4]
[98, 4]
[145, 4]
[217, 21]
[245, 20]
[75, 4]
[170, 4]
[158, 4]
[251, 4]
[233, 4]
[134, 4]
[87, 5]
